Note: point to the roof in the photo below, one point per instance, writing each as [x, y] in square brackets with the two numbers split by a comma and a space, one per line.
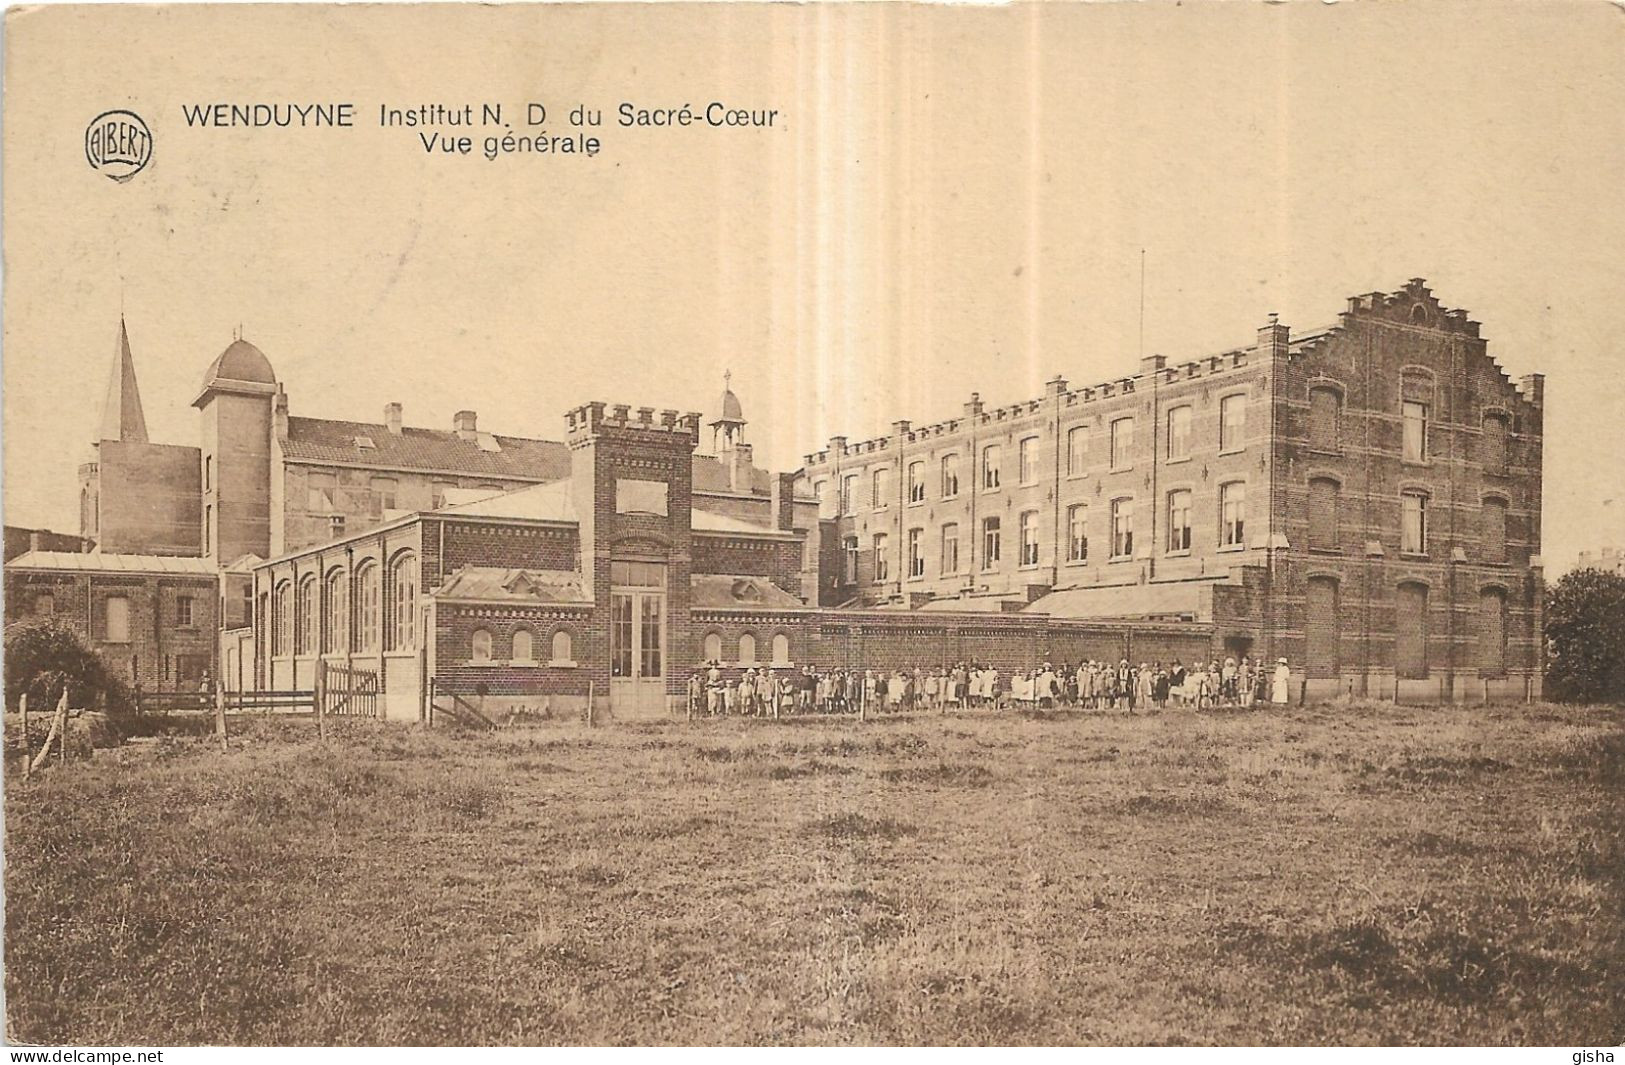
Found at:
[731, 410]
[322, 440]
[541, 502]
[241, 361]
[96, 562]
[974, 604]
[724, 591]
[1130, 601]
[708, 521]
[493, 583]
[122, 418]
[711, 475]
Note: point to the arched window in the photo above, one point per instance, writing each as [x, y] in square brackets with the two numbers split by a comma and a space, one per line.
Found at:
[522, 651]
[747, 650]
[1411, 631]
[282, 620]
[781, 649]
[305, 608]
[1324, 409]
[403, 601]
[336, 613]
[713, 647]
[1323, 492]
[1321, 627]
[562, 651]
[480, 646]
[366, 606]
[1494, 531]
[1493, 444]
[1492, 632]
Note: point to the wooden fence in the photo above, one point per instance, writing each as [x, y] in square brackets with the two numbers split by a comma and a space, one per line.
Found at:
[347, 691]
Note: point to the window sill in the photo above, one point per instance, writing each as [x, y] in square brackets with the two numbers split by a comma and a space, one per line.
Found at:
[916, 578]
[561, 664]
[1418, 463]
[916, 503]
[1232, 547]
[1233, 450]
[948, 498]
[1182, 552]
[1415, 556]
[1178, 461]
[1326, 551]
[1030, 566]
[1077, 476]
[1077, 562]
[1330, 452]
[484, 663]
[995, 490]
[1119, 558]
[1121, 469]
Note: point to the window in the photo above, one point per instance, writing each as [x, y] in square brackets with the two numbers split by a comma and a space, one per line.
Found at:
[635, 495]
[1027, 459]
[1077, 450]
[1232, 423]
[990, 543]
[781, 649]
[916, 482]
[849, 489]
[1320, 627]
[1122, 528]
[208, 472]
[335, 613]
[366, 607]
[1179, 434]
[950, 475]
[385, 488]
[1028, 528]
[747, 650]
[950, 548]
[564, 652]
[1493, 444]
[282, 620]
[1122, 443]
[881, 491]
[916, 553]
[1179, 520]
[1415, 417]
[437, 493]
[1492, 632]
[1494, 533]
[849, 552]
[44, 605]
[480, 645]
[1323, 492]
[208, 527]
[183, 611]
[1413, 525]
[116, 619]
[880, 557]
[305, 608]
[523, 649]
[990, 467]
[319, 491]
[713, 647]
[818, 490]
[1411, 631]
[1077, 533]
[1233, 514]
[403, 604]
[1324, 413]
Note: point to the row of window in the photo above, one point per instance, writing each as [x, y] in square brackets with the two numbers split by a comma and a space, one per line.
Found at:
[320, 488]
[521, 647]
[712, 649]
[116, 614]
[319, 614]
[1323, 636]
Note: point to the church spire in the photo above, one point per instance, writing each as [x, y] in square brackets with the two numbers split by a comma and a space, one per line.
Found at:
[122, 418]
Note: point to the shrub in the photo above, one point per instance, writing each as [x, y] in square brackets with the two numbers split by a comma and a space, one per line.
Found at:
[1585, 634]
[43, 658]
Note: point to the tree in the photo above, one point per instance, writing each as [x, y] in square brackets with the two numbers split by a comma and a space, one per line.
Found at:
[43, 657]
[1585, 633]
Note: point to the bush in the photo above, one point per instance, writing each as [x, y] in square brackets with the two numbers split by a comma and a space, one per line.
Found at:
[44, 657]
[1585, 635]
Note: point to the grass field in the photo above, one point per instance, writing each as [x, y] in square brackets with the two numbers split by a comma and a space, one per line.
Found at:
[1359, 874]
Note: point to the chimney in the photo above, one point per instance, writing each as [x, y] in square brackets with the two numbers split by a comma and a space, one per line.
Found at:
[1056, 386]
[36, 540]
[279, 412]
[782, 495]
[739, 468]
[392, 417]
[463, 422]
[1272, 338]
[1533, 387]
[975, 404]
[1150, 364]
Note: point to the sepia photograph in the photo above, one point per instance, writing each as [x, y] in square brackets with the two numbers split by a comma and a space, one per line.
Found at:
[827, 524]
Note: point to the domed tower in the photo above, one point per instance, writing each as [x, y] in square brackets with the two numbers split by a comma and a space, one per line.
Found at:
[729, 429]
[238, 400]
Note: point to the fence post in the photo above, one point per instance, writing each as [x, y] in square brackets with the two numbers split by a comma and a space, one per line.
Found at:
[28, 750]
[220, 715]
[320, 694]
[64, 748]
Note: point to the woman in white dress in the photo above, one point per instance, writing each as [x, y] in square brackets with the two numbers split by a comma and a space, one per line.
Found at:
[1283, 680]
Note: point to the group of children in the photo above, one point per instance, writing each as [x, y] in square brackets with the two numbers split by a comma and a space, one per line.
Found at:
[760, 691]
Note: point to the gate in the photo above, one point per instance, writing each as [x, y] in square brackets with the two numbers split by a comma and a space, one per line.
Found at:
[346, 691]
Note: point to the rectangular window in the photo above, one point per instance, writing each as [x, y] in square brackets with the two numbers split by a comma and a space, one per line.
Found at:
[849, 492]
[990, 543]
[1493, 446]
[916, 553]
[1179, 433]
[208, 527]
[116, 619]
[634, 496]
[990, 466]
[1495, 530]
[1027, 459]
[1077, 450]
[1416, 431]
[620, 629]
[1029, 537]
[1123, 443]
[916, 482]
[1122, 528]
[319, 491]
[880, 557]
[950, 548]
[183, 611]
[1323, 514]
[208, 472]
[385, 487]
[849, 550]
[1232, 423]
[1077, 533]
[1179, 520]
[1413, 523]
[950, 475]
[1233, 514]
[880, 490]
[1323, 418]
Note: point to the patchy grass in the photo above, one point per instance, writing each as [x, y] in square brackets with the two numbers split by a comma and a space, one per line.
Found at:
[1332, 874]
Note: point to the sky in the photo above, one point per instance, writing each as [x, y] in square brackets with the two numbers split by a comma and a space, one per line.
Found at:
[950, 199]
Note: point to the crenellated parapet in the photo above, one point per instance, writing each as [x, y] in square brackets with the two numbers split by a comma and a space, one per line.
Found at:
[590, 420]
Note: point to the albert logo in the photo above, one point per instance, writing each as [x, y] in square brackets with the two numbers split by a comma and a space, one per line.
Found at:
[118, 144]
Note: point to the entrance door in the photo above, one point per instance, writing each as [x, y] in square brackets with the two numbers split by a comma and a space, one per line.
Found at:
[637, 639]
